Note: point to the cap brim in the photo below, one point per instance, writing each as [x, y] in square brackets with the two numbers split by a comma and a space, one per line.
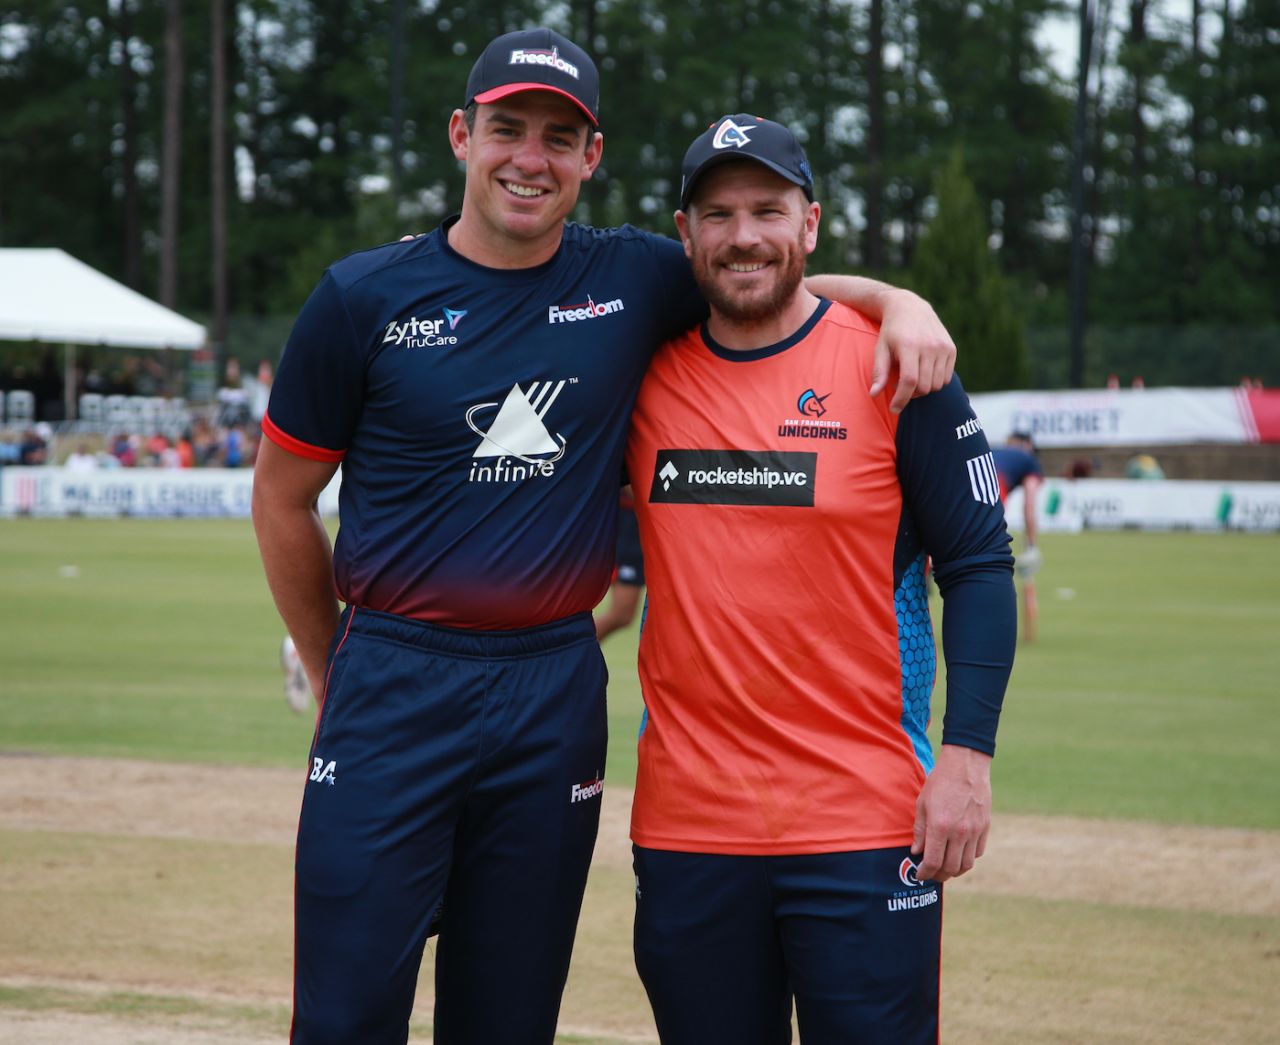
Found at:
[496, 93]
[729, 157]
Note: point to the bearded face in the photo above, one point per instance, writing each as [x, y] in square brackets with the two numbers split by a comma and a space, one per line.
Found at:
[748, 233]
[749, 284]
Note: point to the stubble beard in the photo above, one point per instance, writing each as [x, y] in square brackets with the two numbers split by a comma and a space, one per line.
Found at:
[749, 306]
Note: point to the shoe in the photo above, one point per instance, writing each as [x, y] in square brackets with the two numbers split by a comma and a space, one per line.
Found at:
[297, 688]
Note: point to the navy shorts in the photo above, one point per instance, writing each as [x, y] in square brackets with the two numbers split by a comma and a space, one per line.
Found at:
[724, 943]
[454, 773]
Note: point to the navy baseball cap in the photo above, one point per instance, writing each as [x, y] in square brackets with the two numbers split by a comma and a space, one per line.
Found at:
[744, 137]
[535, 60]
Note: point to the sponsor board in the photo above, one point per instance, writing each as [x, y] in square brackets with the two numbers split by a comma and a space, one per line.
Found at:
[1119, 417]
[1067, 506]
[146, 492]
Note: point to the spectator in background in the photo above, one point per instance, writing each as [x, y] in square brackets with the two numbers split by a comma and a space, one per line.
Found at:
[233, 397]
[1143, 466]
[261, 392]
[124, 450]
[186, 453]
[1079, 468]
[34, 448]
[1017, 465]
[154, 449]
[204, 443]
[169, 456]
[81, 459]
[233, 447]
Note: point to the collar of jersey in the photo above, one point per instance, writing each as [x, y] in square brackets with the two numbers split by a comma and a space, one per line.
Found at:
[515, 275]
[746, 356]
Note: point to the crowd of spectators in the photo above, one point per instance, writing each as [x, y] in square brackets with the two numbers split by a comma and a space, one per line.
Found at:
[225, 434]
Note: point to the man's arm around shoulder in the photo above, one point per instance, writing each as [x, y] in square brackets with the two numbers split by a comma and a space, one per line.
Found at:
[295, 549]
[910, 332]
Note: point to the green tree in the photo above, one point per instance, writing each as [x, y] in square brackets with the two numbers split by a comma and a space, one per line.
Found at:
[998, 96]
[955, 269]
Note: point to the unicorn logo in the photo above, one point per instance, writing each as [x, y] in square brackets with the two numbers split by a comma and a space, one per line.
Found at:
[810, 403]
[730, 134]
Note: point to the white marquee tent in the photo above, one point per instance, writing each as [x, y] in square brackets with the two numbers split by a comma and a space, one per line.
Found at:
[47, 295]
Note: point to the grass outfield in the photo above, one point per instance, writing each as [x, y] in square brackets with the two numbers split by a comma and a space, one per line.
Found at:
[1150, 694]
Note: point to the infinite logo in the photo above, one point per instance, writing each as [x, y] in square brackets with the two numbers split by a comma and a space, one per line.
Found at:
[517, 433]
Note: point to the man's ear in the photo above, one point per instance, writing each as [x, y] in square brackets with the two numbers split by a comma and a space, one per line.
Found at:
[682, 227]
[459, 135]
[811, 221]
[593, 154]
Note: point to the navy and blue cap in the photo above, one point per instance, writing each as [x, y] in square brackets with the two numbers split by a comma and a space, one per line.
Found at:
[535, 60]
[745, 137]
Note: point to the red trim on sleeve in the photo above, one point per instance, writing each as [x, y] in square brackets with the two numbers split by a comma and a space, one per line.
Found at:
[297, 447]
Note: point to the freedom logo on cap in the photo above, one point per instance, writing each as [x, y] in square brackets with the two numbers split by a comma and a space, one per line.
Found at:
[535, 60]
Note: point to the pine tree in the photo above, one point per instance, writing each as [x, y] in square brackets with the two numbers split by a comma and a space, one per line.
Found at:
[955, 269]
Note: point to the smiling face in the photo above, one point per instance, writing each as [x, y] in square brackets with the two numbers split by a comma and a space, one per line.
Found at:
[527, 157]
[748, 232]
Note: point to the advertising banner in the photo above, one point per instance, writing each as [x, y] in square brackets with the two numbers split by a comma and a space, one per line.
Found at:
[144, 492]
[1065, 505]
[1068, 506]
[1131, 417]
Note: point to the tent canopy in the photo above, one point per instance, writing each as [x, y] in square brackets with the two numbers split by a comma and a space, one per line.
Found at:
[47, 295]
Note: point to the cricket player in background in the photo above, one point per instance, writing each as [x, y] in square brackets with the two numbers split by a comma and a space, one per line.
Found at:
[1017, 466]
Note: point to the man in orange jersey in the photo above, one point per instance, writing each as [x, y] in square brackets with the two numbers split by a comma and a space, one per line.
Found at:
[791, 826]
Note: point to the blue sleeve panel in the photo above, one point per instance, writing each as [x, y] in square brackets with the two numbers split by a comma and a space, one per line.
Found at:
[952, 513]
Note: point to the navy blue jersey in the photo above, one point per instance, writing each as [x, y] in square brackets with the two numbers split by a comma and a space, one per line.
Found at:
[1013, 465]
[479, 415]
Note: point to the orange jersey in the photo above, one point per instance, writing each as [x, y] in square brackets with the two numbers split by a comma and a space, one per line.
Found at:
[774, 656]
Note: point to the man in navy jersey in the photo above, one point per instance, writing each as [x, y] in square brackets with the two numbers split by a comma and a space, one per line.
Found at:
[475, 385]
